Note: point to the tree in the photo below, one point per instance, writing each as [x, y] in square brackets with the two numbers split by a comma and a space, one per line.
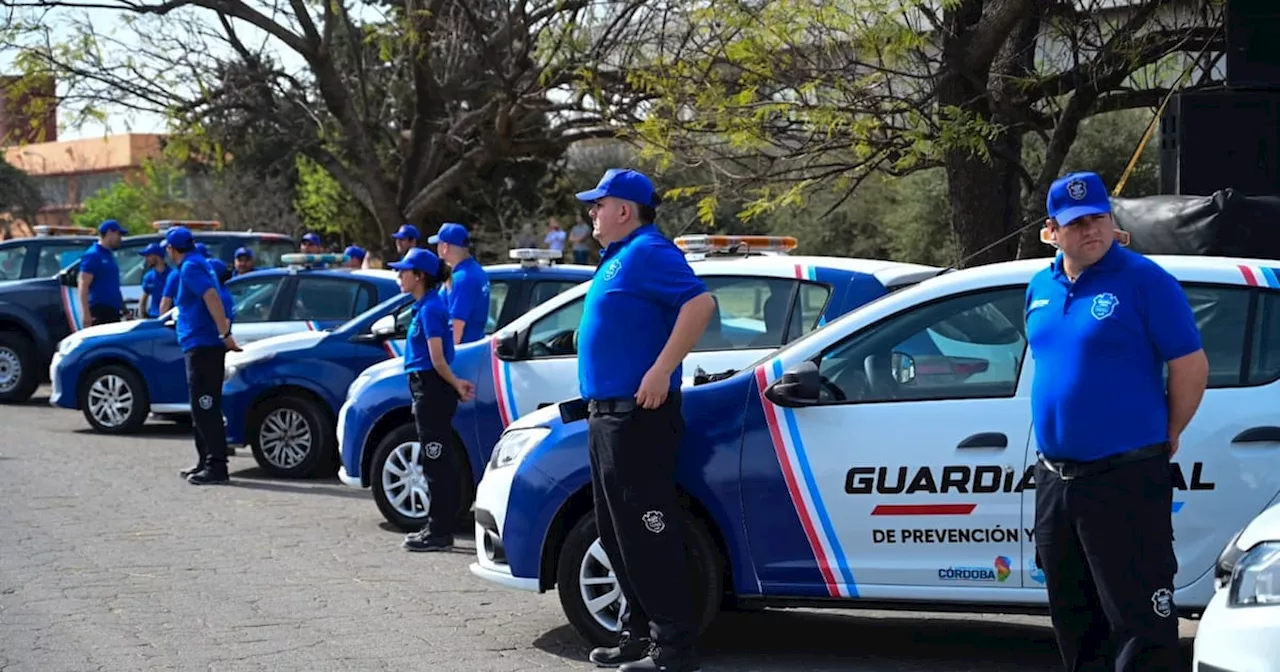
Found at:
[19, 194]
[783, 99]
[138, 200]
[400, 102]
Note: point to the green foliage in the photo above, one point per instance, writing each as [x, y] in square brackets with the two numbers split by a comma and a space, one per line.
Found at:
[323, 205]
[18, 191]
[137, 201]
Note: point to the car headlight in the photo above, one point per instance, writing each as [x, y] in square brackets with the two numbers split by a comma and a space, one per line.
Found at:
[237, 365]
[514, 444]
[66, 345]
[1255, 581]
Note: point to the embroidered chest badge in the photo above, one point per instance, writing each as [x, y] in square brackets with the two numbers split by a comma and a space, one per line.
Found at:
[611, 271]
[1104, 305]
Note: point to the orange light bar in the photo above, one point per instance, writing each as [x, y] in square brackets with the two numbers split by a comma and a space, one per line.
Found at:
[706, 243]
[45, 230]
[193, 225]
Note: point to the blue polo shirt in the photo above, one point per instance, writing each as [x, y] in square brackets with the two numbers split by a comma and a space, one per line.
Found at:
[105, 289]
[171, 286]
[468, 298]
[153, 283]
[196, 327]
[430, 319]
[1100, 345]
[636, 294]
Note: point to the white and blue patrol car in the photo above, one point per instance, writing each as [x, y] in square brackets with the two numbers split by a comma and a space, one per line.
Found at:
[117, 374]
[1240, 630]
[764, 302]
[848, 470]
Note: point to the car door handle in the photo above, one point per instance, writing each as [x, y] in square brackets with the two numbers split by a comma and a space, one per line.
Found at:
[1258, 435]
[985, 440]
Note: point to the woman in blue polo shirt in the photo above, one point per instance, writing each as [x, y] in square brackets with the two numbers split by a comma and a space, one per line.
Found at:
[436, 392]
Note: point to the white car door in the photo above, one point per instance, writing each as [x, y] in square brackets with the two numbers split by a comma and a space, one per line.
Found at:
[1227, 468]
[912, 468]
[750, 323]
[254, 298]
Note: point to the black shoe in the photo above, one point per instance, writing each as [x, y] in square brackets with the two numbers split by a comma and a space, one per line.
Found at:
[664, 660]
[425, 544]
[187, 472]
[207, 477]
[420, 535]
[629, 650]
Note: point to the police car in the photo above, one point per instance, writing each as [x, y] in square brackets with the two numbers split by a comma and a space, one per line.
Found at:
[282, 394]
[1240, 630]
[852, 469]
[764, 301]
[50, 250]
[116, 374]
[37, 313]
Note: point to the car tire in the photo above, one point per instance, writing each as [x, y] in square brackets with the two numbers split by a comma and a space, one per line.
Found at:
[400, 442]
[308, 444]
[122, 390]
[705, 574]
[19, 374]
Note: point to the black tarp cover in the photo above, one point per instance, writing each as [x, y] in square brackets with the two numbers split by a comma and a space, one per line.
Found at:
[1225, 224]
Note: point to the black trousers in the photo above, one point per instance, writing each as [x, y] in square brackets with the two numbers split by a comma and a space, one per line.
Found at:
[434, 403]
[633, 480]
[204, 385]
[1105, 543]
[104, 314]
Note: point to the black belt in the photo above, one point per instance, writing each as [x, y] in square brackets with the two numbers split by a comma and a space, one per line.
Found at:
[598, 406]
[1069, 469]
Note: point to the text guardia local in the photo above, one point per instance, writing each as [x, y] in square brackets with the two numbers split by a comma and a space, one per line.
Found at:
[967, 479]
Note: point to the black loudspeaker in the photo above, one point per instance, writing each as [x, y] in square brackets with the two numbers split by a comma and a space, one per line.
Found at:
[1221, 138]
[1253, 43]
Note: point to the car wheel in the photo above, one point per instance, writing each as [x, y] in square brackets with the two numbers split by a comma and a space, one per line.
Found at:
[292, 437]
[592, 599]
[399, 485]
[19, 375]
[114, 399]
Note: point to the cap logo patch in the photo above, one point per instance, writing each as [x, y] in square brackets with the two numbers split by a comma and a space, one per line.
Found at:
[1077, 190]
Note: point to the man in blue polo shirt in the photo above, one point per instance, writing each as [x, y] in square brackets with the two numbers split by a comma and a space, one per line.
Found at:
[99, 284]
[243, 261]
[467, 294]
[406, 239]
[204, 334]
[1103, 323]
[644, 312]
[355, 256]
[153, 281]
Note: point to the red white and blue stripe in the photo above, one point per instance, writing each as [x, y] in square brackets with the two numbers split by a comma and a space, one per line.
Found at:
[789, 448]
[1260, 276]
[502, 392]
[394, 347]
[810, 273]
[71, 306]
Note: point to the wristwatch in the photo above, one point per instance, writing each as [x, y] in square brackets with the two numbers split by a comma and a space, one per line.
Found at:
[223, 337]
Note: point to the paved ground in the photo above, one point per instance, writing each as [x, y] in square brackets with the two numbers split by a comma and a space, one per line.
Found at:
[108, 561]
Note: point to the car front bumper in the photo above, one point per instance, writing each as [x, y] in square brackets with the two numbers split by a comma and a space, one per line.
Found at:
[1239, 639]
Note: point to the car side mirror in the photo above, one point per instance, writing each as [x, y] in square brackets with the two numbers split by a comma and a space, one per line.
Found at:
[798, 386]
[384, 327]
[69, 277]
[903, 368]
[508, 346]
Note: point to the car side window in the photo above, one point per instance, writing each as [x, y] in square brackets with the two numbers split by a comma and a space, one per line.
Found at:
[319, 298]
[132, 265]
[1264, 359]
[963, 347]
[55, 257]
[548, 289]
[554, 334]
[267, 251]
[12, 259]
[498, 291]
[253, 299]
[810, 305]
[1222, 314]
[751, 313]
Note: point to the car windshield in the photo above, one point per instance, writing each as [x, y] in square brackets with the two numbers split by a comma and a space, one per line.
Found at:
[380, 308]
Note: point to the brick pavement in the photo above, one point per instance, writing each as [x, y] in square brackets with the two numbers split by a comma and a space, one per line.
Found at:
[109, 561]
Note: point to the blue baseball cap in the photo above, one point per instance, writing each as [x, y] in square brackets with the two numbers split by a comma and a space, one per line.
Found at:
[418, 259]
[452, 233]
[219, 267]
[355, 252]
[623, 183]
[154, 248]
[243, 252]
[108, 226]
[202, 250]
[313, 239]
[1077, 195]
[180, 239]
[407, 231]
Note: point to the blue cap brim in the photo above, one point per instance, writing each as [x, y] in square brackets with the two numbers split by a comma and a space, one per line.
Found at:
[592, 195]
[400, 266]
[433, 240]
[1070, 215]
[401, 236]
